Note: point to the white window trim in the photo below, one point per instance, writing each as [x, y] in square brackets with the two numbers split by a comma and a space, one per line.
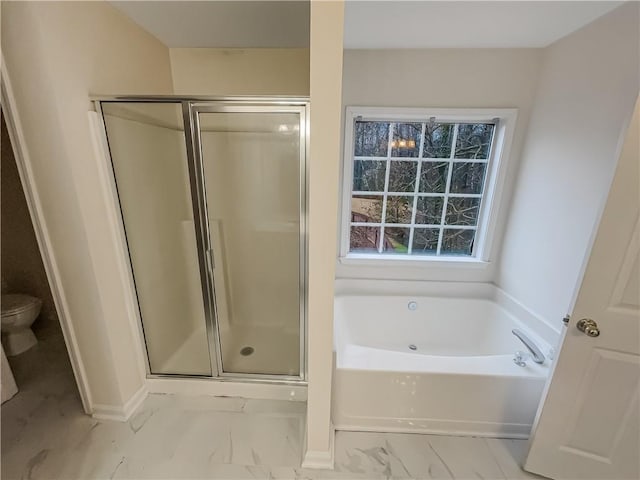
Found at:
[494, 183]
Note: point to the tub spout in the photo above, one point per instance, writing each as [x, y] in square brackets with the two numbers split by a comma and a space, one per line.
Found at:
[536, 354]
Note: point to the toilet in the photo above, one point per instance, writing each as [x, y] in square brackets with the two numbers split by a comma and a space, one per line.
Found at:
[18, 314]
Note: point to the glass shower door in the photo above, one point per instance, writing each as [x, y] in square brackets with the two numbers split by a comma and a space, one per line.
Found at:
[149, 158]
[252, 162]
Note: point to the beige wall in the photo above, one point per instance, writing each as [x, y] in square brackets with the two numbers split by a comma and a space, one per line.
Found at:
[22, 267]
[254, 71]
[588, 86]
[327, 20]
[57, 54]
[444, 78]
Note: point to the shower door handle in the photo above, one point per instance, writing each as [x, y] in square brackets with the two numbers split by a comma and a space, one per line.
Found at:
[210, 260]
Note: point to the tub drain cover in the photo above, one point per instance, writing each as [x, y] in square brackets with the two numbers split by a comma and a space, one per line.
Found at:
[246, 351]
[412, 347]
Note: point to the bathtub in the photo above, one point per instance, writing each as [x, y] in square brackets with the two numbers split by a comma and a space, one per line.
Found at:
[440, 363]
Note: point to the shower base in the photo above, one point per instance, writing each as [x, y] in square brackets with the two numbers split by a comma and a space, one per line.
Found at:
[274, 351]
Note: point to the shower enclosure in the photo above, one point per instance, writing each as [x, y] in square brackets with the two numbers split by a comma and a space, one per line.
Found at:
[212, 194]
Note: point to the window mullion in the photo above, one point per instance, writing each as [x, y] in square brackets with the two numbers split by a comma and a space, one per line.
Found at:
[365, 192]
[365, 224]
[446, 190]
[386, 189]
[415, 190]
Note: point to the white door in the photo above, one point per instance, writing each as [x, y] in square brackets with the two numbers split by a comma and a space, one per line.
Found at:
[589, 424]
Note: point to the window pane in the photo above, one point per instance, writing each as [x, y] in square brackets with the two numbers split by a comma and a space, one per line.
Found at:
[396, 240]
[371, 139]
[462, 211]
[433, 177]
[364, 239]
[366, 208]
[425, 241]
[474, 140]
[467, 177]
[368, 175]
[399, 209]
[402, 176]
[429, 210]
[437, 140]
[457, 242]
[406, 140]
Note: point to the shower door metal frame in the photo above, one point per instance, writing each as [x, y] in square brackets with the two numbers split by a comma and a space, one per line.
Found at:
[192, 110]
[191, 106]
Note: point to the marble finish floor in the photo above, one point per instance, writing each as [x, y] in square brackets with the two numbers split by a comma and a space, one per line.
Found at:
[45, 435]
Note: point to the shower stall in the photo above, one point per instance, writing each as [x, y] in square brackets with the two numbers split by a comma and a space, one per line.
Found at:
[213, 201]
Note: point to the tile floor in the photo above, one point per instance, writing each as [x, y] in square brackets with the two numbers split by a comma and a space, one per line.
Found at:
[45, 435]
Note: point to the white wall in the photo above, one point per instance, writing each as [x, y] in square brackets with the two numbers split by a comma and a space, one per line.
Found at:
[57, 54]
[249, 71]
[588, 86]
[446, 78]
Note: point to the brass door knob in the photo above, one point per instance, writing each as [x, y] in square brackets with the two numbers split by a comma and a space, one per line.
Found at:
[588, 327]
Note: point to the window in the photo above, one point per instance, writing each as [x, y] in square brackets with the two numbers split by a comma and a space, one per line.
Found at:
[420, 185]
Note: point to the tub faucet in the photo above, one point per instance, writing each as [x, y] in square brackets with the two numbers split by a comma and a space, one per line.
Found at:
[536, 354]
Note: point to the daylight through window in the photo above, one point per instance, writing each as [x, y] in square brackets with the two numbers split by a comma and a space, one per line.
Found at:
[418, 186]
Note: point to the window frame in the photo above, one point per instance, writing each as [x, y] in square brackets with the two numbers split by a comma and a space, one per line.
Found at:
[504, 120]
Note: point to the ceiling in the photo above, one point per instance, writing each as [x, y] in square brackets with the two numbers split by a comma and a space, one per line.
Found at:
[223, 24]
[368, 24]
[465, 24]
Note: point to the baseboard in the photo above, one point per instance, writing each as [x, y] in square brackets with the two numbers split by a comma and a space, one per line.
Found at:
[121, 413]
[470, 429]
[321, 459]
